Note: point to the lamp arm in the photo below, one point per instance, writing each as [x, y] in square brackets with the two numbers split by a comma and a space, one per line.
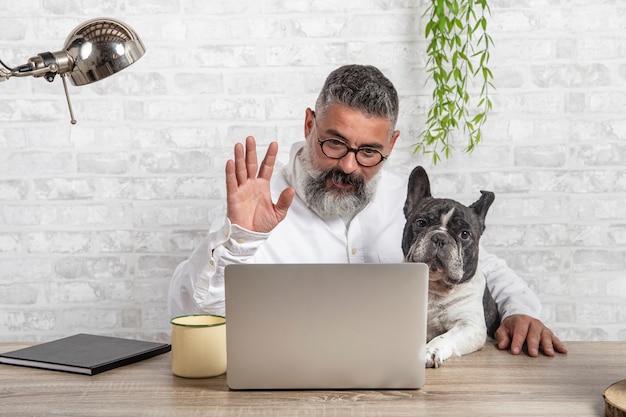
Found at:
[4, 74]
[5, 71]
[27, 72]
[46, 64]
[67, 98]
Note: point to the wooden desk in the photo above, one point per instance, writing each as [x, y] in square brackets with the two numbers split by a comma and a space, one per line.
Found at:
[486, 383]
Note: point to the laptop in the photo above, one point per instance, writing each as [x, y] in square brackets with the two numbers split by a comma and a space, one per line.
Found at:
[326, 326]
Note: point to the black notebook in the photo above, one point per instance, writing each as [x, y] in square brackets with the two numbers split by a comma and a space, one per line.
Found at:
[84, 353]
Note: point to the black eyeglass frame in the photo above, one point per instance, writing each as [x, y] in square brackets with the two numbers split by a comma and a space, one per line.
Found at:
[347, 149]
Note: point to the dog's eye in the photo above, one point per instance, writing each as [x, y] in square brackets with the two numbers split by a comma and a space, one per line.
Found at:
[465, 235]
[421, 223]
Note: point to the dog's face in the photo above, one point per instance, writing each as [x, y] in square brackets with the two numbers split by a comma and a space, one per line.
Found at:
[442, 233]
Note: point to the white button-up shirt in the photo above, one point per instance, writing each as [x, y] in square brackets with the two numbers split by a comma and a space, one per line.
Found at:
[374, 235]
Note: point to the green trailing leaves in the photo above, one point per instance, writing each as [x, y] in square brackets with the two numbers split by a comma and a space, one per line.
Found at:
[458, 54]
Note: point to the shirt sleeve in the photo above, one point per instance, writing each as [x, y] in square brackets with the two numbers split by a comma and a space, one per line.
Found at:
[197, 285]
[511, 293]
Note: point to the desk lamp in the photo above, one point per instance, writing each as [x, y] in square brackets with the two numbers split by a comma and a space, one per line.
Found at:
[93, 51]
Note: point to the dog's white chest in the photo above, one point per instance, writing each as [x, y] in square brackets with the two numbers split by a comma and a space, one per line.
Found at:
[456, 322]
[461, 305]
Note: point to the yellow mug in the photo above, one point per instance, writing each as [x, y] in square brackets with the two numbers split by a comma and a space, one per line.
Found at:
[198, 346]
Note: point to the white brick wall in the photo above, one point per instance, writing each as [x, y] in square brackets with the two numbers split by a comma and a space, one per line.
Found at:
[94, 217]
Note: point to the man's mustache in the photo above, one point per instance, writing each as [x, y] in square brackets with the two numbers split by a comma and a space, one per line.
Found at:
[338, 176]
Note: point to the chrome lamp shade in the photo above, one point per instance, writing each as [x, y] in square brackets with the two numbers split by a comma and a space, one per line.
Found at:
[101, 47]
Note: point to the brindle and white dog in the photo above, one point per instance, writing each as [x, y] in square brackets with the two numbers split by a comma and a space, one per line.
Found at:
[445, 235]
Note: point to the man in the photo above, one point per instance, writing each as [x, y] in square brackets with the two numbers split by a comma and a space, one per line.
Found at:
[333, 204]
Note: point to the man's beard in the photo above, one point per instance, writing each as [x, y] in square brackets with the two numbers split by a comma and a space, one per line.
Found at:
[336, 201]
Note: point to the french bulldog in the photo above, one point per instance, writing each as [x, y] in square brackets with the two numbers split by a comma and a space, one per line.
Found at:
[445, 235]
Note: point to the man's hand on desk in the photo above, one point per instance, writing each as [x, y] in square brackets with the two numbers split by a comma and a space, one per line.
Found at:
[519, 329]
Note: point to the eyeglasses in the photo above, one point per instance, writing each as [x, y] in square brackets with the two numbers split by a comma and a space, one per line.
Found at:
[337, 149]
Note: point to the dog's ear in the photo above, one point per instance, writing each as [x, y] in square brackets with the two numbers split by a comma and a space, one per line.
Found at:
[419, 188]
[481, 206]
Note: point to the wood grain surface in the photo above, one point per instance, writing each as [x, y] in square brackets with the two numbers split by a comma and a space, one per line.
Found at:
[486, 383]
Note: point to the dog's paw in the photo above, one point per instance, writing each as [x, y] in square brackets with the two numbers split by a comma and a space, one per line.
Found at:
[433, 358]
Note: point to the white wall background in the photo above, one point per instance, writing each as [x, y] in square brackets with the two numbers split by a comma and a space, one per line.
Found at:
[94, 217]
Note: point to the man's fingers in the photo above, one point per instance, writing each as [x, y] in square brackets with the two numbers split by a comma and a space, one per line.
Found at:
[558, 345]
[546, 345]
[267, 166]
[246, 162]
[550, 344]
[231, 177]
[241, 171]
[502, 337]
[534, 338]
[516, 331]
[520, 335]
[284, 202]
[251, 158]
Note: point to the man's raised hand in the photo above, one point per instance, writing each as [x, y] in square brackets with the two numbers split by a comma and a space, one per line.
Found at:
[248, 197]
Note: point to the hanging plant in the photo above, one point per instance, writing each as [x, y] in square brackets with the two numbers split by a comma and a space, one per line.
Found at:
[458, 54]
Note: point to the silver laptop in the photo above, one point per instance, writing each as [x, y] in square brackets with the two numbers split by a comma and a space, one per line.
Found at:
[330, 326]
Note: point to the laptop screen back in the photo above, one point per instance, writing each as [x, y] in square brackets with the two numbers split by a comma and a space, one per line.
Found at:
[330, 326]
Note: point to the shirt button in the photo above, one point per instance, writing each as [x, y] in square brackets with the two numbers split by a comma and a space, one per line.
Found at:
[240, 241]
[212, 262]
[354, 251]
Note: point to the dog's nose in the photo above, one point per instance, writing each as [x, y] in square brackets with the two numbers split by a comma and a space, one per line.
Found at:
[438, 239]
